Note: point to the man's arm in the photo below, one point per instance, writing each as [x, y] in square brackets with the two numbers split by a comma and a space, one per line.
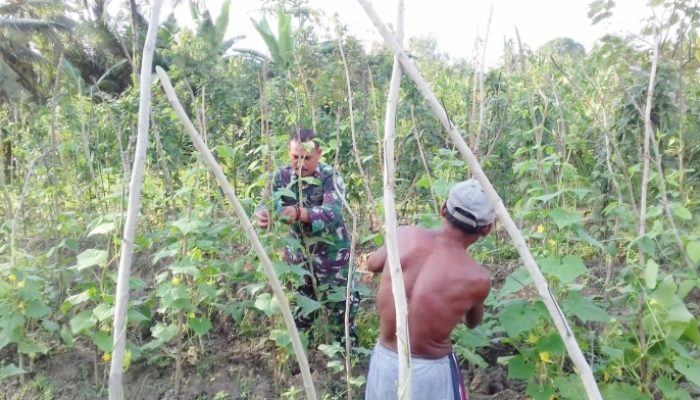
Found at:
[480, 292]
[376, 260]
[327, 215]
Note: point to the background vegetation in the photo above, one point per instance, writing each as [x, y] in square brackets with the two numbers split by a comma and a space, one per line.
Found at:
[559, 131]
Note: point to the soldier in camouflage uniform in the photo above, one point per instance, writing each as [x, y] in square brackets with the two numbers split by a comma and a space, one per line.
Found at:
[316, 224]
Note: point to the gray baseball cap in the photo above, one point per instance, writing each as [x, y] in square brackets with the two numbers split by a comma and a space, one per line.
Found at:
[468, 204]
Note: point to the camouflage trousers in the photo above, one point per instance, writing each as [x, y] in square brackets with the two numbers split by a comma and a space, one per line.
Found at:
[335, 310]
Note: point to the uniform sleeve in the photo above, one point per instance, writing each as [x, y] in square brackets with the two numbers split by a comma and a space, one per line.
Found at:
[269, 190]
[329, 214]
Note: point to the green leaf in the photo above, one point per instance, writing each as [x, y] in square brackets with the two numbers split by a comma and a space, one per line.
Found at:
[36, 309]
[82, 321]
[670, 389]
[103, 311]
[89, 258]
[621, 391]
[28, 346]
[570, 387]
[79, 298]
[551, 344]
[518, 317]
[307, 304]
[540, 391]
[199, 326]
[423, 182]
[9, 370]
[102, 229]
[520, 368]
[681, 212]
[164, 332]
[693, 249]
[584, 308]
[189, 225]
[689, 368]
[651, 273]
[564, 218]
[566, 269]
[103, 341]
[266, 303]
[67, 336]
[517, 280]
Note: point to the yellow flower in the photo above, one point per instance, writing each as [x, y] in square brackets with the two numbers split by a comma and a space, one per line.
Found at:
[191, 315]
[544, 357]
[552, 242]
[540, 228]
[12, 278]
[107, 357]
[20, 284]
[175, 281]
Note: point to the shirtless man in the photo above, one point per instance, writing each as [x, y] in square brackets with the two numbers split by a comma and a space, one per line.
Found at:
[444, 286]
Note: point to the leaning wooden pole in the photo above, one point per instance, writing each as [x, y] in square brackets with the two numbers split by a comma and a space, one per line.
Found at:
[403, 342]
[116, 391]
[567, 335]
[218, 172]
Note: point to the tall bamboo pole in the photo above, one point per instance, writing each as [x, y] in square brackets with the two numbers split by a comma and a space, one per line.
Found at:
[567, 335]
[230, 193]
[403, 342]
[116, 391]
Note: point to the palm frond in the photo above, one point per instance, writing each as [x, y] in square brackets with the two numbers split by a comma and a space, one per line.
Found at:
[222, 21]
[31, 24]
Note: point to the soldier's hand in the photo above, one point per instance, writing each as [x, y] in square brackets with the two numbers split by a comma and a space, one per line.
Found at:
[288, 214]
[263, 218]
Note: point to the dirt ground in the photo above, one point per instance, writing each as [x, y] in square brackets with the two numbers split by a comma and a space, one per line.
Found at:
[227, 369]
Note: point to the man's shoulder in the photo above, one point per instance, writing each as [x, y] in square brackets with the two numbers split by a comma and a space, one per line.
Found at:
[326, 170]
[283, 173]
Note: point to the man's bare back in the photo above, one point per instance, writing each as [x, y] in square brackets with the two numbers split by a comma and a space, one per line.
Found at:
[443, 286]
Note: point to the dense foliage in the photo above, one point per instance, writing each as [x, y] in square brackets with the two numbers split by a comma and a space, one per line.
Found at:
[559, 131]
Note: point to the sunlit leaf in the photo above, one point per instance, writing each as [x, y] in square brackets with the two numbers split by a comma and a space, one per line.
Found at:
[651, 272]
[266, 303]
[102, 229]
[89, 258]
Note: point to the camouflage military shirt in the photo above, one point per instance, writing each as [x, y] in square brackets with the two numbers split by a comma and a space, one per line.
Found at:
[323, 243]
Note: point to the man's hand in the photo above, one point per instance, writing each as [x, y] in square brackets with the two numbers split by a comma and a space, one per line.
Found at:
[262, 217]
[289, 214]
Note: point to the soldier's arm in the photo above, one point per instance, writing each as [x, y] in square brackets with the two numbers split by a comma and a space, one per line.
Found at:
[328, 215]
